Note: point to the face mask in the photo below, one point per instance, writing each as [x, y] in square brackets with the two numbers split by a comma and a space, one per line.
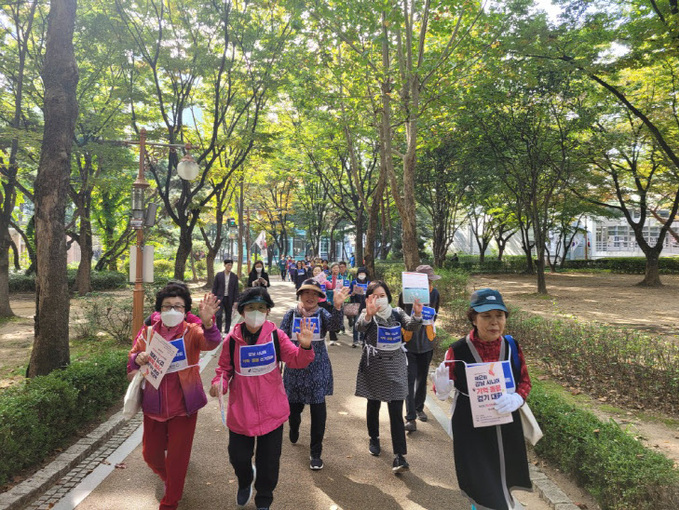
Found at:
[254, 318]
[258, 269]
[361, 277]
[171, 318]
[382, 303]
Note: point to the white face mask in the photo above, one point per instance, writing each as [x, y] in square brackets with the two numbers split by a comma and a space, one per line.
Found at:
[361, 277]
[254, 318]
[258, 269]
[382, 303]
[171, 318]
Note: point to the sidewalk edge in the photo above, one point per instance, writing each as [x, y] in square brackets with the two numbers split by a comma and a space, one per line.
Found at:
[28, 490]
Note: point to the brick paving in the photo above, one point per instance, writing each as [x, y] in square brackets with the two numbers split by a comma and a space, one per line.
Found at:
[63, 486]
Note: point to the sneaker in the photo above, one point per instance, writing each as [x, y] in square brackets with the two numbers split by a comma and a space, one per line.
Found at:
[375, 446]
[422, 416]
[354, 345]
[316, 463]
[294, 434]
[400, 464]
[411, 426]
[243, 496]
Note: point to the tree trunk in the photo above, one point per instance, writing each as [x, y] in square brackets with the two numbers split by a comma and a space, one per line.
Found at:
[5, 308]
[360, 249]
[84, 276]
[183, 251]
[60, 76]
[652, 274]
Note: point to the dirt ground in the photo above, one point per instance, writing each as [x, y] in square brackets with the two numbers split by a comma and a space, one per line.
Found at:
[613, 299]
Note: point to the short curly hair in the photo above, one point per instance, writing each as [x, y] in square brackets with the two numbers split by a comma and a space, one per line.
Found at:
[174, 290]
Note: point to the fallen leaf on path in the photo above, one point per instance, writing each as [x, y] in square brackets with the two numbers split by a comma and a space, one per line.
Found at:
[121, 465]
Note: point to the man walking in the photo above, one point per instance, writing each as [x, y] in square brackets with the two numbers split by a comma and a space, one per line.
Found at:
[225, 287]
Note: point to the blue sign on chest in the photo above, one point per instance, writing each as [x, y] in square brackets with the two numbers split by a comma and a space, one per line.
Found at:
[257, 355]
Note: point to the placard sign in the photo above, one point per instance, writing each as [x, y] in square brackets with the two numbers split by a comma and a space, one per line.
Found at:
[486, 383]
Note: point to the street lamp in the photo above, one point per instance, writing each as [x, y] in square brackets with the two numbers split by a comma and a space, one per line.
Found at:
[187, 169]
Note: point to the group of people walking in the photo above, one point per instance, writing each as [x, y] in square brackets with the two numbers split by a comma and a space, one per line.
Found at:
[398, 344]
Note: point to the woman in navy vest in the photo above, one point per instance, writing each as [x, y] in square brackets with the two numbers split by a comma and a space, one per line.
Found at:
[490, 461]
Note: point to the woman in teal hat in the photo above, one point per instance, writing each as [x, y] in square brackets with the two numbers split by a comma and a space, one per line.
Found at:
[490, 461]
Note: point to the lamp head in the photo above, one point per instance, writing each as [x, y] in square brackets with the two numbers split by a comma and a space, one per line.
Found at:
[187, 168]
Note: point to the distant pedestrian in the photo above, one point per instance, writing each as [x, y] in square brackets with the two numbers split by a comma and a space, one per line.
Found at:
[420, 349]
[382, 372]
[225, 286]
[357, 291]
[497, 451]
[248, 370]
[282, 267]
[170, 412]
[258, 277]
[300, 274]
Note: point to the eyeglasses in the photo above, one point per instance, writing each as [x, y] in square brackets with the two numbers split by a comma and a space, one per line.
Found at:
[176, 308]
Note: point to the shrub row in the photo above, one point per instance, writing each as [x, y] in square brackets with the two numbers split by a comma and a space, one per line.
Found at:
[626, 265]
[616, 469]
[101, 280]
[514, 264]
[41, 414]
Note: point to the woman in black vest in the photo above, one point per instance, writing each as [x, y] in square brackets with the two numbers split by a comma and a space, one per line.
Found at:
[490, 461]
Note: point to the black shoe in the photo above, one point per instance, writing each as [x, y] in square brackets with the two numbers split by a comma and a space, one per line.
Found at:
[316, 463]
[422, 416]
[374, 447]
[244, 495]
[354, 345]
[400, 464]
[294, 434]
[411, 426]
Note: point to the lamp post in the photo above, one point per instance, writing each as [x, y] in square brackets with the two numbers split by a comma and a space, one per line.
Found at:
[187, 169]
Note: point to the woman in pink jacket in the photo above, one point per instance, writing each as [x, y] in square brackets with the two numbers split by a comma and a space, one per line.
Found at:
[170, 411]
[258, 405]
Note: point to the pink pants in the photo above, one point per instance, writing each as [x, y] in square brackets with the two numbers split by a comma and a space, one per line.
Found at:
[175, 437]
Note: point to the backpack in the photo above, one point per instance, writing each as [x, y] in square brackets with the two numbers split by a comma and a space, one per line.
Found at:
[276, 343]
[515, 352]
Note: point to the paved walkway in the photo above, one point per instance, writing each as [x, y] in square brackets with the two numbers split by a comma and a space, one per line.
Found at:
[114, 476]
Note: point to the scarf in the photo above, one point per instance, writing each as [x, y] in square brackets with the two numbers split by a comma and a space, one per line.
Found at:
[386, 313]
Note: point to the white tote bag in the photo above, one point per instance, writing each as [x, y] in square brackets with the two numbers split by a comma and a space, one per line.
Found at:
[531, 429]
[135, 391]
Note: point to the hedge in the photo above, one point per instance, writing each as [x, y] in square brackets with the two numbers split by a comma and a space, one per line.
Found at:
[43, 413]
[616, 469]
[101, 280]
[515, 264]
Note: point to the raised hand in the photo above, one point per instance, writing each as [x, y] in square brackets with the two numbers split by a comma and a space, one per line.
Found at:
[306, 332]
[370, 306]
[207, 308]
[417, 307]
[340, 296]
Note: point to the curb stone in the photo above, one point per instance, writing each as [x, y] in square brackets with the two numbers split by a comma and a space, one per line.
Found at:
[28, 490]
[549, 491]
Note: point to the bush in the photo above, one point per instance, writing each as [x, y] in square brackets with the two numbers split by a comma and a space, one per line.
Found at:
[615, 468]
[101, 312]
[38, 416]
[101, 280]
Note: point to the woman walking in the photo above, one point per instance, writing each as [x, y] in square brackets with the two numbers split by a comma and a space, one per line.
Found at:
[382, 372]
[489, 461]
[170, 412]
[310, 385]
[249, 370]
